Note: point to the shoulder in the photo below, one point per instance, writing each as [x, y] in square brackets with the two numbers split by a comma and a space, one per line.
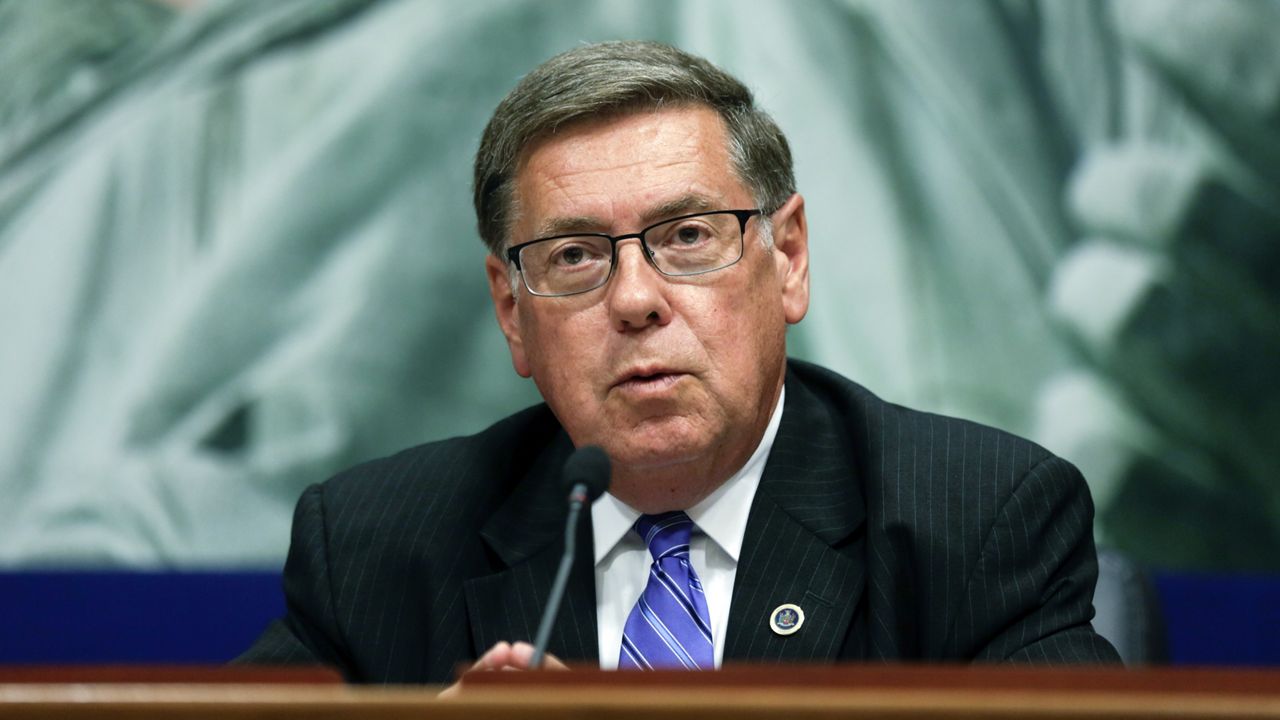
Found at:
[910, 460]
[460, 478]
[878, 426]
[978, 541]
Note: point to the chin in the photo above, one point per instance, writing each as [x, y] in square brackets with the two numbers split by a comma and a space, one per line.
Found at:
[661, 450]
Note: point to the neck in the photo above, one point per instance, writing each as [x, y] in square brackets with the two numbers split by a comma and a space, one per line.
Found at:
[679, 485]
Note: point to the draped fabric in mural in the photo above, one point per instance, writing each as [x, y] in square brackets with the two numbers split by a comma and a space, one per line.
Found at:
[237, 251]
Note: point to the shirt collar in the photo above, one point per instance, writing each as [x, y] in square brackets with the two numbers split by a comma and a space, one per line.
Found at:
[722, 515]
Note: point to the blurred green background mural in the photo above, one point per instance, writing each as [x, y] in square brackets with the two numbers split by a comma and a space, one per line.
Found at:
[237, 251]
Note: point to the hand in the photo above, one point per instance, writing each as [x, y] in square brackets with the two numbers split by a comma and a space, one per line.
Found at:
[506, 656]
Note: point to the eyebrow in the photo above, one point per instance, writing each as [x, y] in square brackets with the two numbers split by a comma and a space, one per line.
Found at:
[683, 205]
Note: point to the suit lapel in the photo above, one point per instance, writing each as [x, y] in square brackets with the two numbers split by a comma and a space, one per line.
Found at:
[804, 543]
[527, 536]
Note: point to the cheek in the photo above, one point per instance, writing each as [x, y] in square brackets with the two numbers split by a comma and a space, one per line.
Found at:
[755, 341]
[563, 353]
[749, 321]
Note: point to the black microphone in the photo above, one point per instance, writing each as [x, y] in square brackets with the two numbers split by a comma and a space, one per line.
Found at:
[586, 477]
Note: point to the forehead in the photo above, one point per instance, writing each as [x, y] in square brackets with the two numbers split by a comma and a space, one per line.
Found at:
[621, 171]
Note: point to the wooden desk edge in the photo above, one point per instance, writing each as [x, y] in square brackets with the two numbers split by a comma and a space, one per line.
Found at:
[393, 703]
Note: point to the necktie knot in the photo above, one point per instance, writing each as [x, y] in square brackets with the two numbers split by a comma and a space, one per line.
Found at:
[667, 534]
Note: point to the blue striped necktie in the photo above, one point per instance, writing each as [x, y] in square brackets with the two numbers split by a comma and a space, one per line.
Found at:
[669, 626]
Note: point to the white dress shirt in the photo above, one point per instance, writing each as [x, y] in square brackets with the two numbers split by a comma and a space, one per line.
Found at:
[622, 559]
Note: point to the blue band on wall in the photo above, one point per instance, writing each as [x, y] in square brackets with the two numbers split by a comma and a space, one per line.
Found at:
[133, 617]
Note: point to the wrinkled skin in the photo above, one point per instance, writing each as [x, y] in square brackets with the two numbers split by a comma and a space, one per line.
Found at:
[675, 378]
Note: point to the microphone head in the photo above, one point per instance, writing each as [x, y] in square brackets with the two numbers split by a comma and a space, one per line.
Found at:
[589, 466]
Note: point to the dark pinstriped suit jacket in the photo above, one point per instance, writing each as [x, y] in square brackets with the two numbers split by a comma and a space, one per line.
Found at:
[902, 535]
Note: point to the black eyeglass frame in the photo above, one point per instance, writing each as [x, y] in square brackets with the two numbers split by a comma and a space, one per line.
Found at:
[513, 252]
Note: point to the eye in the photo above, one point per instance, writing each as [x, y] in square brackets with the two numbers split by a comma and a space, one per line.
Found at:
[687, 235]
[690, 235]
[576, 252]
[571, 255]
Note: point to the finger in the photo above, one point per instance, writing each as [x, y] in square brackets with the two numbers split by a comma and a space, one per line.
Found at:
[551, 662]
[1181, 350]
[1136, 192]
[521, 655]
[522, 658]
[1170, 201]
[495, 658]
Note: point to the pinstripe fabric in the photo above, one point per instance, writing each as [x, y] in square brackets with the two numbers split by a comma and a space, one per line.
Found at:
[400, 568]
[902, 536]
[971, 543]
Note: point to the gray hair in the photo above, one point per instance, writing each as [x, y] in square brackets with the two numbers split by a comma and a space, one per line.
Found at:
[616, 78]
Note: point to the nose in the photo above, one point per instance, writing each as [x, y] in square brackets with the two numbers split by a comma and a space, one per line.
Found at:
[638, 292]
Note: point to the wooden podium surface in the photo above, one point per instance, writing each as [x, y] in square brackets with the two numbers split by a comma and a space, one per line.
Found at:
[781, 692]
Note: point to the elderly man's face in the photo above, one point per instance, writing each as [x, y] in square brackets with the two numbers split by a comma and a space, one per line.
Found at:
[674, 376]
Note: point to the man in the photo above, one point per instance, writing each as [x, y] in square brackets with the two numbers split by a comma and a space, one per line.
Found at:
[647, 251]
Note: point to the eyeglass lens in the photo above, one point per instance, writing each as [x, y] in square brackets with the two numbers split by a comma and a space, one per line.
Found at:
[685, 246]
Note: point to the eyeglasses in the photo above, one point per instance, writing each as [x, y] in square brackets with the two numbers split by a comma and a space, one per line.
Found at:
[686, 245]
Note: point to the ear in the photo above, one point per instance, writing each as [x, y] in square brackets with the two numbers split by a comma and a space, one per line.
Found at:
[504, 306]
[791, 256]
